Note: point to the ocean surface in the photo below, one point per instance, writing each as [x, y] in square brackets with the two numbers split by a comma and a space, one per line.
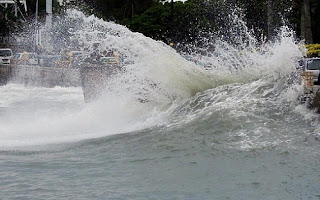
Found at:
[166, 128]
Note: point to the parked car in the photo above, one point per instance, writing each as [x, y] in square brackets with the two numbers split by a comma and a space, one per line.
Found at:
[25, 58]
[108, 60]
[313, 65]
[5, 56]
[49, 60]
[75, 57]
[76, 53]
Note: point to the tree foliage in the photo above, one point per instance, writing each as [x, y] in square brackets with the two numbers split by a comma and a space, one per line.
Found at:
[192, 20]
[187, 23]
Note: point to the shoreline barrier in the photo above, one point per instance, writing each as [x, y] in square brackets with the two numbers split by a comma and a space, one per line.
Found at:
[91, 77]
[94, 78]
[39, 76]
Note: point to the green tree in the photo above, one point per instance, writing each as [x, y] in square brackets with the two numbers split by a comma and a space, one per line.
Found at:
[189, 23]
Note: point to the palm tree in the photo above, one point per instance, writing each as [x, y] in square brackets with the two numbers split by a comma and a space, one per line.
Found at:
[306, 33]
[270, 19]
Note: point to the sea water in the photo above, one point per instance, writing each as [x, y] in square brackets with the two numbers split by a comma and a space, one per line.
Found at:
[165, 128]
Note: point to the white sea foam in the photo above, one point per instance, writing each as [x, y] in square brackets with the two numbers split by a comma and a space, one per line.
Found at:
[238, 81]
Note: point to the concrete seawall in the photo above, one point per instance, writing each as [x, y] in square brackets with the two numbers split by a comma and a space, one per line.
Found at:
[5, 74]
[311, 94]
[91, 77]
[45, 76]
[39, 76]
[94, 79]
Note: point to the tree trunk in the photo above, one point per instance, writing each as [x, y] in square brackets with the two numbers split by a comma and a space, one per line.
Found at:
[270, 20]
[303, 22]
[306, 32]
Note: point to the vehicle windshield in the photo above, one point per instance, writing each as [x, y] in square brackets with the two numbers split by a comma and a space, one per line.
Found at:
[108, 59]
[17, 56]
[76, 53]
[5, 52]
[314, 64]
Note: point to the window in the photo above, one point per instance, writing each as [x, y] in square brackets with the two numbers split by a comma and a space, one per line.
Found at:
[5, 52]
[313, 64]
[17, 56]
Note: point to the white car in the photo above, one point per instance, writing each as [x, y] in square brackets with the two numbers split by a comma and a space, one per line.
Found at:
[5, 56]
[313, 65]
[108, 60]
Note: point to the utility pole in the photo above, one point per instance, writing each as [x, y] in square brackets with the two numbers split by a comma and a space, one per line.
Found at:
[49, 13]
[37, 34]
[37, 3]
[37, 38]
